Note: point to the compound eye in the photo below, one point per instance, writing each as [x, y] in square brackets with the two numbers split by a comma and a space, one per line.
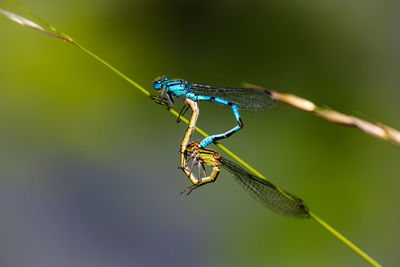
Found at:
[156, 85]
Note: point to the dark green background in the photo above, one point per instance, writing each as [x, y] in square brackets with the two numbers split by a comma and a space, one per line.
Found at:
[88, 164]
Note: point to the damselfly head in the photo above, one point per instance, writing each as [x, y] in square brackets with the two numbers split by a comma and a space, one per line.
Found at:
[160, 83]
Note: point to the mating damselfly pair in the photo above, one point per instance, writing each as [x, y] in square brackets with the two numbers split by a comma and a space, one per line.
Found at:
[261, 189]
[195, 154]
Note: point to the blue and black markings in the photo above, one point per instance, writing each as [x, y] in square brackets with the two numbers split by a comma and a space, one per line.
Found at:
[236, 98]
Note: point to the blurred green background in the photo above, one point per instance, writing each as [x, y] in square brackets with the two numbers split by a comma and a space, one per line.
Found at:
[88, 164]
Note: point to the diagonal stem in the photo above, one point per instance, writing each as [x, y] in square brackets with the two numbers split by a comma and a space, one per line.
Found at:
[342, 238]
[347, 242]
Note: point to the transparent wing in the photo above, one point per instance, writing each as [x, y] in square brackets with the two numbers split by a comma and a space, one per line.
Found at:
[243, 98]
[268, 194]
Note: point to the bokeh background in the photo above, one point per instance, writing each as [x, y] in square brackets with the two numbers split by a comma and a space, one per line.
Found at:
[88, 169]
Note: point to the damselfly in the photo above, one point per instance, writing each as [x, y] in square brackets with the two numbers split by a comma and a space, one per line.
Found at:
[236, 98]
[273, 197]
[202, 179]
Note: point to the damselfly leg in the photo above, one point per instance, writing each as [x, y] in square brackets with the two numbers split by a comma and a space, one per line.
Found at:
[201, 157]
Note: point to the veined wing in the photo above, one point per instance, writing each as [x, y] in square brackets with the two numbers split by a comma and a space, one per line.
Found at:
[243, 98]
[268, 194]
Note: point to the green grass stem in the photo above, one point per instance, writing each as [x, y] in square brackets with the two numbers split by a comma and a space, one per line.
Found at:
[343, 239]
